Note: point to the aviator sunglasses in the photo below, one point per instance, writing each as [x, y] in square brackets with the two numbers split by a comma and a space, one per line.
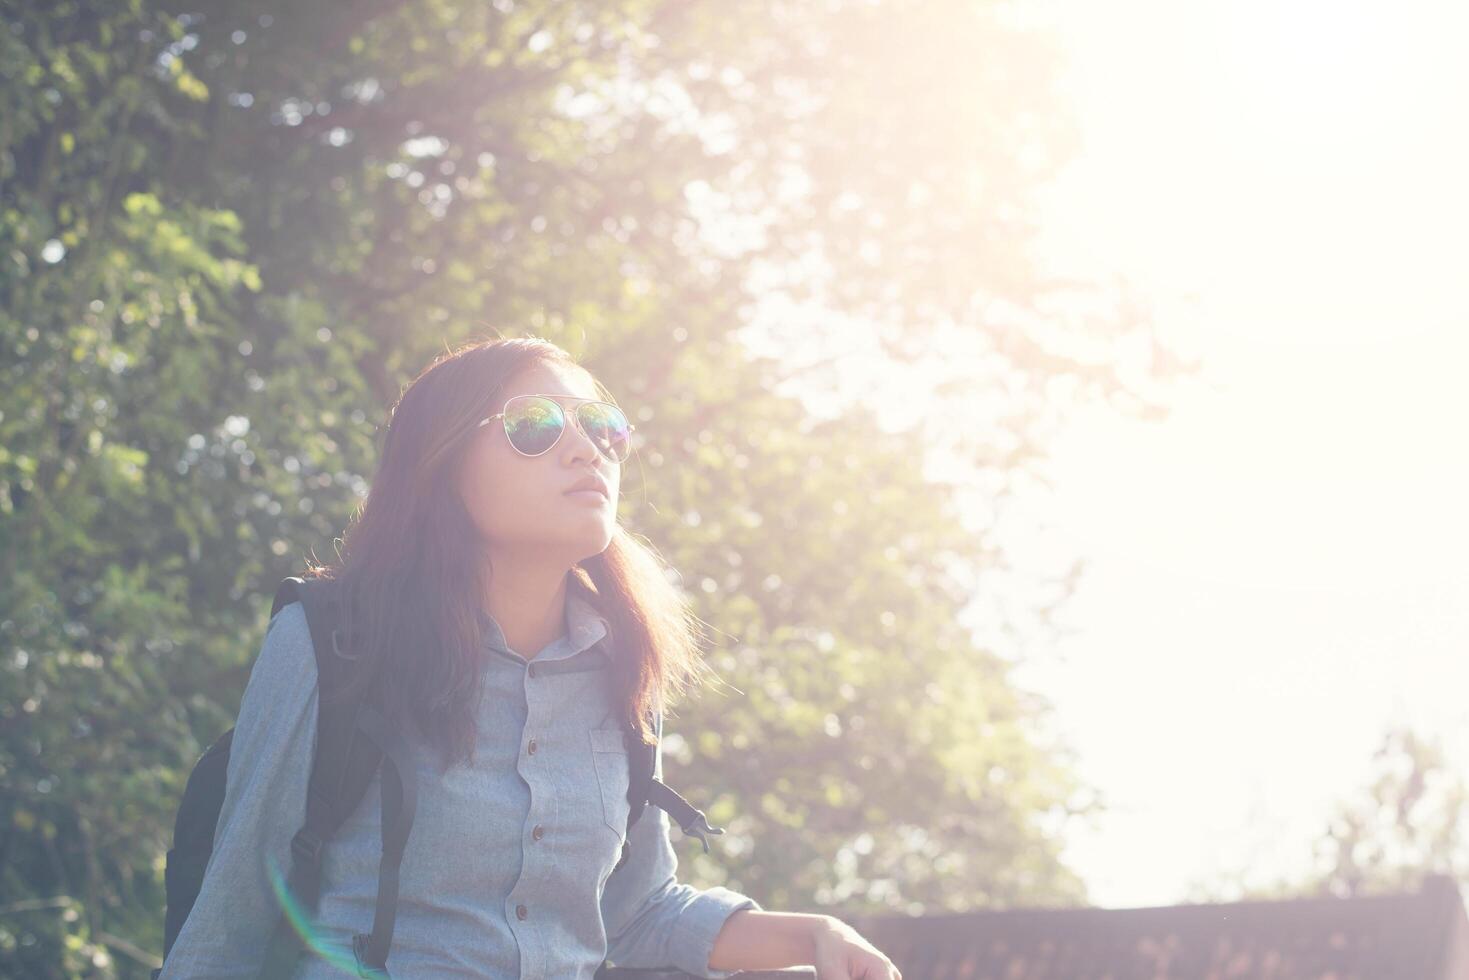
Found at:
[534, 423]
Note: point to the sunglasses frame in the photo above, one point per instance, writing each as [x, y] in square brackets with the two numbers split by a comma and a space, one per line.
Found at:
[575, 413]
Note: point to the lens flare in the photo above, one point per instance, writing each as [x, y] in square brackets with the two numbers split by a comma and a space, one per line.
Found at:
[338, 956]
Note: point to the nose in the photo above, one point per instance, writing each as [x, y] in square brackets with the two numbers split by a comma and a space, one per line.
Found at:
[579, 439]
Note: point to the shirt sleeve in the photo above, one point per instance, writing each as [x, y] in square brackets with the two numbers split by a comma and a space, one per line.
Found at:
[653, 921]
[229, 927]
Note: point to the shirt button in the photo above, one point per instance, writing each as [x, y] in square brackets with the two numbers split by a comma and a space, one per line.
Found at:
[521, 912]
[538, 833]
[531, 670]
[532, 747]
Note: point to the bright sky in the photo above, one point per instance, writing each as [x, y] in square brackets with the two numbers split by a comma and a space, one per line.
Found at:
[1277, 572]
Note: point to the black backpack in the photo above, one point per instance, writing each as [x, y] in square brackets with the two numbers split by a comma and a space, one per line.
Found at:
[354, 740]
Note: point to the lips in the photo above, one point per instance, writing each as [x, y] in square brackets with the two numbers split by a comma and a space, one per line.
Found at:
[589, 483]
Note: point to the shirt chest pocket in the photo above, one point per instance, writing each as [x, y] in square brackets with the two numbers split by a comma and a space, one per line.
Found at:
[610, 760]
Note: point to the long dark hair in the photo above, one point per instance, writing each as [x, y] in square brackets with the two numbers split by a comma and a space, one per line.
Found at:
[412, 574]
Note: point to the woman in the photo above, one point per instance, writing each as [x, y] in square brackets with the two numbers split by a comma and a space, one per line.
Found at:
[510, 628]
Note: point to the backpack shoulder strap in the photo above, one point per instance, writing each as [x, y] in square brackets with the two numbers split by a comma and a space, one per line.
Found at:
[351, 739]
[643, 762]
[645, 787]
[344, 763]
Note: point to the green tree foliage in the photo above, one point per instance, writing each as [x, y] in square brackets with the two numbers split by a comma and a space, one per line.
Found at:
[229, 233]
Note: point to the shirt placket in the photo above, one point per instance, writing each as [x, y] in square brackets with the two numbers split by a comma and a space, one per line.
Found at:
[525, 907]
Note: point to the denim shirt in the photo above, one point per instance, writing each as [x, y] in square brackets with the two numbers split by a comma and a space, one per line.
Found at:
[508, 869]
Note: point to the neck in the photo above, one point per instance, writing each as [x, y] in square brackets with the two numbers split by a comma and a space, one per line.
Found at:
[529, 604]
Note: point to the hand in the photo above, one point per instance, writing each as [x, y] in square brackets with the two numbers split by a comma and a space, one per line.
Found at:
[842, 954]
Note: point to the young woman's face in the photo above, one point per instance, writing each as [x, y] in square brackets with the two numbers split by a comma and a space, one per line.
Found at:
[520, 503]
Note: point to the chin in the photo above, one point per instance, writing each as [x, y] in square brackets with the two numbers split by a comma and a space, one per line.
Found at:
[589, 542]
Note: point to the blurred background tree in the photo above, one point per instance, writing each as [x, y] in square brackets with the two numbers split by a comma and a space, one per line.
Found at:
[229, 234]
[1406, 823]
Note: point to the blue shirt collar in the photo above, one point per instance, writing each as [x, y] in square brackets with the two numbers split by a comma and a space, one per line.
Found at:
[584, 627]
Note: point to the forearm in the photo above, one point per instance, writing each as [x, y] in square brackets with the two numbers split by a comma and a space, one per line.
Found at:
[757, 940]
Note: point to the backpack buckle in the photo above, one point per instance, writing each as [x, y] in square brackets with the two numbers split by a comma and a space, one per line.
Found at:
[699, 827]
[306, 846]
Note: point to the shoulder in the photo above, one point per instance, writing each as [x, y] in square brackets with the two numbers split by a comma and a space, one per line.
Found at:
[287, 660]
[290, 618]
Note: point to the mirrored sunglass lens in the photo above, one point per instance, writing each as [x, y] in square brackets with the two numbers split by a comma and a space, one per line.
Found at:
[608, 429]
[532, 424]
